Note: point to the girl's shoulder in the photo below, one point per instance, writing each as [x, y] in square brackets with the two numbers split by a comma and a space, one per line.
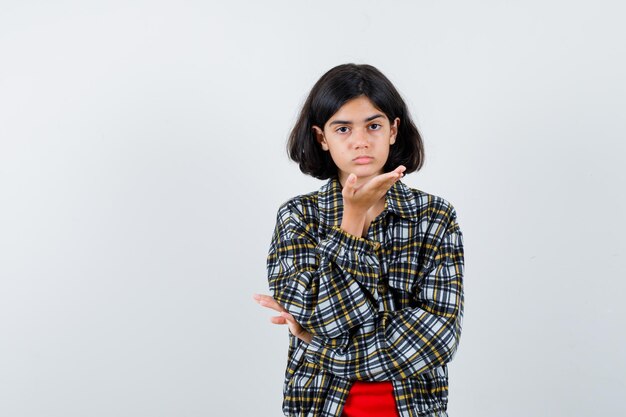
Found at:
[431, 205]
[303, 205]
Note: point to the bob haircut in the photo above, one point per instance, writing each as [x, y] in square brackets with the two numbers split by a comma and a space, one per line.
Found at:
[337, 86]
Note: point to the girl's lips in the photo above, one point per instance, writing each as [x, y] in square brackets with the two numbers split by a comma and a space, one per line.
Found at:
[362, 159]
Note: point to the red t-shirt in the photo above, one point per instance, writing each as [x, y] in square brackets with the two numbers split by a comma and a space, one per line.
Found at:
[368, 399]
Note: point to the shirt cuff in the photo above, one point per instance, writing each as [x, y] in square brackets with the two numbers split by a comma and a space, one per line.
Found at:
[351, 252]
[352, 241]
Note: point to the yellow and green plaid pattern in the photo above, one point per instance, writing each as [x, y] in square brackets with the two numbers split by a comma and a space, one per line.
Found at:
[388, 306]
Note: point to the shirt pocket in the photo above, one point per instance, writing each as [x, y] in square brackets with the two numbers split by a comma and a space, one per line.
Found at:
[403, 277]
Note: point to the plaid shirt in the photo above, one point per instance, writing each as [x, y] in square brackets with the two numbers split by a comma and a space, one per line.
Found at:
[388, 306]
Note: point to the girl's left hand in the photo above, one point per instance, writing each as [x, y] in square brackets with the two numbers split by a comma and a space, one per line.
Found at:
[284, 318]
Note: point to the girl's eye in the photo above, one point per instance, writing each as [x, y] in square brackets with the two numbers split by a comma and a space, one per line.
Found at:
[375, 124]
[342, 131]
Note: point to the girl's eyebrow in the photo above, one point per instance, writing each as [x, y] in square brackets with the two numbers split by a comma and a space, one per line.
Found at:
[346, 122]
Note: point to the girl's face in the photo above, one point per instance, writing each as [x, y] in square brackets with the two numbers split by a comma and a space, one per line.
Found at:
[358, 129]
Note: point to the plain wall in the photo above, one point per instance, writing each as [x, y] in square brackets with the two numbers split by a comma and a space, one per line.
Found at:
[142, 162]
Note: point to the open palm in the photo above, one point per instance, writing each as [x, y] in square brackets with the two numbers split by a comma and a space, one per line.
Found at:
[284, 318]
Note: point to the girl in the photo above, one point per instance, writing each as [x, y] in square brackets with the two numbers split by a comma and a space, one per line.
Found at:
[366, 272]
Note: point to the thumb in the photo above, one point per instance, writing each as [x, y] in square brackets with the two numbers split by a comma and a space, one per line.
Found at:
[351, 179]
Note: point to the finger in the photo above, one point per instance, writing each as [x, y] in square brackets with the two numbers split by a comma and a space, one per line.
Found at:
[271, 305]
[399, 171]
[291, 323]
[385, 181]
[278, 320]
[269, 302]
[390, 177]
[260, 297]
[288, 317]
[350, 183]
[395, 175]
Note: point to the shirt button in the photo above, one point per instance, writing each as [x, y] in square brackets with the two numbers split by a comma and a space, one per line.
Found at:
[376, 245]
[382, 287]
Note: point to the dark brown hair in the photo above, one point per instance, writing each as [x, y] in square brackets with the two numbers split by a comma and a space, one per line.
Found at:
[337, 86]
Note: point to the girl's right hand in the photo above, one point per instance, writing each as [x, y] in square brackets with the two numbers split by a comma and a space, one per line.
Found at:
[361, 199]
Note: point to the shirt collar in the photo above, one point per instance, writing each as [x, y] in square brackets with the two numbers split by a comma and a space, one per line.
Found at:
[400, 201]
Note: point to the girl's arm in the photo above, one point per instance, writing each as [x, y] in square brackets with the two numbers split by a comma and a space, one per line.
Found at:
[326, 285]
[400, 344]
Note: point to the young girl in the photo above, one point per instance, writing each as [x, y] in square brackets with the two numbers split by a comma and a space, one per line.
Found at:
[366, 272]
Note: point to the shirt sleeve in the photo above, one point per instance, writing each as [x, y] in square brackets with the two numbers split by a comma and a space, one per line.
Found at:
[326, 284]
[400, 344]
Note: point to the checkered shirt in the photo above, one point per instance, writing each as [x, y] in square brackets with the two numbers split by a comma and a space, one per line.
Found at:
[384, 307]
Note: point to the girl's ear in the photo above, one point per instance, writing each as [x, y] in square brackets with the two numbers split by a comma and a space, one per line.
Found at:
[319, 135]
[394, 130]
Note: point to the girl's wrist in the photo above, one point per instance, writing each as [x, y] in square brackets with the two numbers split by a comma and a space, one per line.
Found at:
[353, 221]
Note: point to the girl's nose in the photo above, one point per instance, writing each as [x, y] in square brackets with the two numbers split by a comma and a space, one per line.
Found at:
[360, 137]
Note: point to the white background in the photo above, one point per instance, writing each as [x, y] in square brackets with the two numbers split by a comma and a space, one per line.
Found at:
[142, 161]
